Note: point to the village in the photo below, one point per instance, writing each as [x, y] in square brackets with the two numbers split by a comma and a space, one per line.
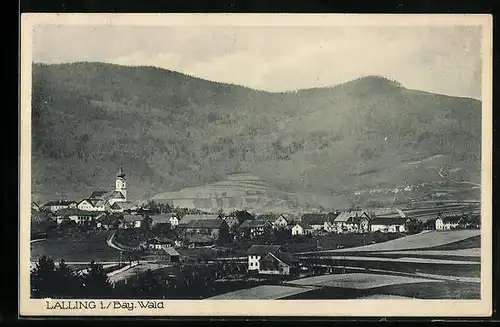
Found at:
[268, 245]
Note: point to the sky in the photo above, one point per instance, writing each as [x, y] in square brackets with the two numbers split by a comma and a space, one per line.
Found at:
[445, 60]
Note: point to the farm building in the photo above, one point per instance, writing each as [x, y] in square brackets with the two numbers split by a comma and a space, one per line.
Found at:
[159, 242]
[92, 205]
[170, 255]
[255, 252]
[165, 219]
[55, 206]
[197, 240]
[254, 228]
[123, 206]
[215, 228]
[281, 263]
[131, 221]
[78, 216]
[388, 224]
[301, 228]
[352, 222]
[190, 217]
[108, 222]
[315, 220]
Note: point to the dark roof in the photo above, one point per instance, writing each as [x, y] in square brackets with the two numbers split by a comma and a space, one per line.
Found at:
[388, 221]
[271, 217]
[263, 249]
[120, 173]
[451, 219]
[162, 217]
[109, 220]
[97, 194]
[303, 225]
[204, 223]
[254, 223]
[285, 257]
[314, 218]
[187, 218]
[171, 252]
[115, 195]
[58, 203]
[130, 218]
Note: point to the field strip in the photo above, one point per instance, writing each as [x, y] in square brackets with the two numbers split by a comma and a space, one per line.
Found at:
[405, 259]
[263, 292]
[474, 252]
[412, 242]
[359, 280]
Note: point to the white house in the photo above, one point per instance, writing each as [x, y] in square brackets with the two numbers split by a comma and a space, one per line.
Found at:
[352, 222]
[255, 252]
[447, 223]
[388, 224]
[439, 224]
[301, 229]
[280, 222]
[55, 206]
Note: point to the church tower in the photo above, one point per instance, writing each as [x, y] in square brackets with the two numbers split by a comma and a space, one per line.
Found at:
[121, 184]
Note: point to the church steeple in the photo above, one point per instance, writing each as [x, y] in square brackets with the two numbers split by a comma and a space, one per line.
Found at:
[120, 173]
[121, 184]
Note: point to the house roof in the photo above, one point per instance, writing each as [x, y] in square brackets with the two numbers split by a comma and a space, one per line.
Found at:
[285, 257]
[258, 249]
[187, 218]
[131, 218]
[108, 219]
[97, 194]
[314, 218]
[451, 219]
[346, 215]
[162, 218]
[388, 221]
[58, 203]
[200, 238]
[254, 223]
[204, 223]
[123, 205]
[303, 225]
[77, 212]
[171, 251]
[270, 217]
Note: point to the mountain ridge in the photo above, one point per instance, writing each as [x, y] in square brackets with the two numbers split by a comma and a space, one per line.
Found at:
[176, 131]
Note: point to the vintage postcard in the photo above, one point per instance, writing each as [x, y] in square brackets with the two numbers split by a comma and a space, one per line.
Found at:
[256, 165]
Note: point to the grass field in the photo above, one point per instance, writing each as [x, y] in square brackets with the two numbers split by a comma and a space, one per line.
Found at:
[428, 291]
[357, 280]
[82, 247]
[263, 292]
[426, 240]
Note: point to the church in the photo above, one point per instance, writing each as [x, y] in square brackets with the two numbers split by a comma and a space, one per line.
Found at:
[114, 201]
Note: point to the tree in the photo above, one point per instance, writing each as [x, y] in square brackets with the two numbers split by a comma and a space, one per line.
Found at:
[96, 283]
[43, 278]
[149, 286]
[67, 283]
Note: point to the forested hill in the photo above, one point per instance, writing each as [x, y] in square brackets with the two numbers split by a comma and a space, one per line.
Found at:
[171, 131]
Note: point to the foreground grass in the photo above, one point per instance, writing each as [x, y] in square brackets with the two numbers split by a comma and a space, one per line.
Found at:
[76, 247]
